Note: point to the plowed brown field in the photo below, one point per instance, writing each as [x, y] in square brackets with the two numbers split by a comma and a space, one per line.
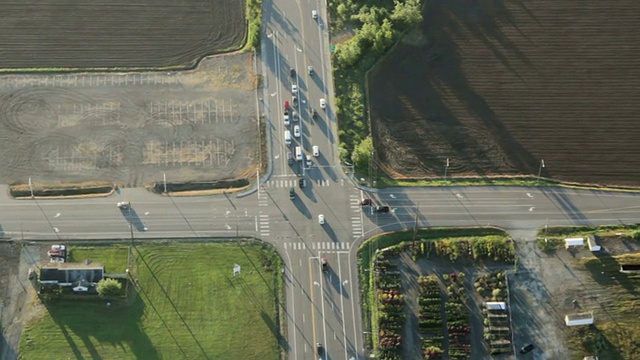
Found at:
[498, 86]
[109, 33]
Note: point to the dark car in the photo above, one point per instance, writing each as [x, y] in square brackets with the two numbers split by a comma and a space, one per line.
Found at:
[319, 348]
[314, 114]
[293, 72]
[290, 160]
[382, 209]
[366, 202]
[292, 194]
[294, 101]
[302, 183]
[325, 264]
[527, 348]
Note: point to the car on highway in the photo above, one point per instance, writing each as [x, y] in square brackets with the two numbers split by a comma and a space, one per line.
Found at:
[527, 348]
[292, 193]
[302, 183]
[383, 209]
[294, 88]
[286, 105]
[290, 160]
[309, 162]
[366, 201]
[314, 14]
[292, 71]
[295, 116]
[287, 137]
[294, 101]
[296, 131]
[324, 264]
[310, 70]
[286, 118]
[321, 219]
[323, 103]
[124, 205]
[316, 151]
[314, 114]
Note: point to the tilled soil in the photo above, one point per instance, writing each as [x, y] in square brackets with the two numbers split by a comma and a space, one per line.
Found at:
[130, 128]
[124, 34]
[495, 87]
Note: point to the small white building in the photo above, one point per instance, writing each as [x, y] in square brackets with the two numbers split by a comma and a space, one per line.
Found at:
[572, 242]
[593, 245]
[579, 319]
[496, 306]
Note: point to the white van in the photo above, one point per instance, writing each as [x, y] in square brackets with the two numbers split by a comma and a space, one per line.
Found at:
[287, 137]
[298, 153]
[309, 163]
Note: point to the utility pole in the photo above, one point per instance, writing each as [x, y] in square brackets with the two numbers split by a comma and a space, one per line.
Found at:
[415, 229]
[164, 177]
[446, 169]
[131, 229]
[540, 171]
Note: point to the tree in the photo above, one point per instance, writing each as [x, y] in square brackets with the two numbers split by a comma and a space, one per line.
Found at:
[362, 153]
[407, 13]
[109, 287]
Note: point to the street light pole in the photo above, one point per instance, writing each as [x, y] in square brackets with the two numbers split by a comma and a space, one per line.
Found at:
[164, 178]
[540, 171]
[31, 188]
[446, 168]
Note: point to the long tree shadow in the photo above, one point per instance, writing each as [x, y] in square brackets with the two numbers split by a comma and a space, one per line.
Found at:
[437, 105]
[173, 305]
[96, 323]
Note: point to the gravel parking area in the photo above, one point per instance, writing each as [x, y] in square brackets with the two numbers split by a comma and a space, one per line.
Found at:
[131, 128]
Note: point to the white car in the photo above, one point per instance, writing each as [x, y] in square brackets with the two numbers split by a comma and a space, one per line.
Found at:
[316, 151]
[314, 14]
[294, 115]
[323, 103]
[123, 205]
[321, 219]
[294, 88]
[310, 70]
[296, 131]
[286, 119]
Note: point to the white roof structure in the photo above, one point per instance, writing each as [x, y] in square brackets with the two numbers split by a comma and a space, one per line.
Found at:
[574, 242]
[579, 319]
[496, 306]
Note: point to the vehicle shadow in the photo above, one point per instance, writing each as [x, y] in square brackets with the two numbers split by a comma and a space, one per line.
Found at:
[330, 232]
[133, 219]
[302, 208]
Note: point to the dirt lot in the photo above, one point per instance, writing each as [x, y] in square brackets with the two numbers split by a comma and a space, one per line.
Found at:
[543, 290]
[107, 33]
[500, 85]
[17, 294]
[130, 128]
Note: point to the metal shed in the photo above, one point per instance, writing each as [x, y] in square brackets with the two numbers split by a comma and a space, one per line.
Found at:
[568, 242]
[593, 245]
[579, 319]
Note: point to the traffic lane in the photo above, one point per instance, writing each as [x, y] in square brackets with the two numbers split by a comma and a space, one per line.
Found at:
[301, 325]
[340, 320]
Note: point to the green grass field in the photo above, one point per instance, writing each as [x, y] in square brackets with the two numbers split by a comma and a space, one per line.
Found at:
[187, 305]
[114, 258]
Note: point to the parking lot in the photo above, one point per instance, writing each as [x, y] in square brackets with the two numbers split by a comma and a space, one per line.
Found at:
[130, 128]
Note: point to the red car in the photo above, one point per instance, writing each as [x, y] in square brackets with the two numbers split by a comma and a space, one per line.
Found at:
[286, 105]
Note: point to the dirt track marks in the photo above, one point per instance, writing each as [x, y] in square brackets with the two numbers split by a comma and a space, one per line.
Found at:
[129, 128]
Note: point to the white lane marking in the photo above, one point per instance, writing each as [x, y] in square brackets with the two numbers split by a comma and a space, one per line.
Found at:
[532, 208]
[57, 215]
[529, 195]
[147, 213]
[344, 328]
[56, 230]
[392, 196]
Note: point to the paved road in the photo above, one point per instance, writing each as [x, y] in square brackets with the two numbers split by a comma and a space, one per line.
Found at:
[321, 307]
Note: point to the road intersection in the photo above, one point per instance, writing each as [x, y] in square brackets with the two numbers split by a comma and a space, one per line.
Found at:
[321, 307]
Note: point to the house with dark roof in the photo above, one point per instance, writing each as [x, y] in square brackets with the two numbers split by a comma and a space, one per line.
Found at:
[71, 274]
